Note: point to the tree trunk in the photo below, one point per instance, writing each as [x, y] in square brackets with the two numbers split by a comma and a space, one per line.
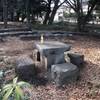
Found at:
[82, 20]
[5, 17]
[46, 18]
[80, 23]
[12, 16]
[48, 12]
[28, 14]
[17, 17]
[51, 19]
[56, 6]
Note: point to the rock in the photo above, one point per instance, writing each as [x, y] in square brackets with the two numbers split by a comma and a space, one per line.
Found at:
[63, 73]
[25, 68]
[76, 59]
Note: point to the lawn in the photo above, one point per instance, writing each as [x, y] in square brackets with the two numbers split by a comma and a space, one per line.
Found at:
[86, 88]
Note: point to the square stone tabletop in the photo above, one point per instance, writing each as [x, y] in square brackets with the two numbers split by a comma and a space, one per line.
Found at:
[52, 47]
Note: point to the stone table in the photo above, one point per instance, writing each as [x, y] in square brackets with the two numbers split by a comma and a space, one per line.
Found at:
[52, 52]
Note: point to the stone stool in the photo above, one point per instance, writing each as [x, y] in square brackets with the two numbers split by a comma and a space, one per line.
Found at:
[62, 73]
[25, 68]
[76, 59]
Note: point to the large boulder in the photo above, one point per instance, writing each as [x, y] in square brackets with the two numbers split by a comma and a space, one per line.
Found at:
[25, 68]
[64, 73]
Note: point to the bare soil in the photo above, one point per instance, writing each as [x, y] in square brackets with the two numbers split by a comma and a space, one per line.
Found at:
[87, 88]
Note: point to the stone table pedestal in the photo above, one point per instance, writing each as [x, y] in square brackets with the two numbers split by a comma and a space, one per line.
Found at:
[51, 52]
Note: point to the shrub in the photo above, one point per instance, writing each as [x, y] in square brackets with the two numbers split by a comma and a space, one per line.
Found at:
[13, 90]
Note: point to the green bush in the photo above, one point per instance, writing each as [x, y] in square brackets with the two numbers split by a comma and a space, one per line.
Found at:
[48, 27]
[13, 90]
[57, 26]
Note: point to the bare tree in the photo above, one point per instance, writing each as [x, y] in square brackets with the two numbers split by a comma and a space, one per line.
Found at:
[50, 14]
[82, 18]
[48, 11]
[5, 17]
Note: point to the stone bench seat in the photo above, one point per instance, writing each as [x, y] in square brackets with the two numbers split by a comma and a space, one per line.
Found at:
[64, 73]
[76, 59]
[25, 68]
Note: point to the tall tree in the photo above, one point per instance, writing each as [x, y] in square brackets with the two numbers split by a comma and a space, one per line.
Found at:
[28, 13]
[48, 11]
[82, 18]
[12, 6]
[51, 11]
[31, 9]
[5, 17]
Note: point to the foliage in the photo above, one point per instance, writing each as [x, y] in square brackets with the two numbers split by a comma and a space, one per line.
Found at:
[67, 15]
[13, 90]
[77, 6]
[61, 26]
[46, 9]
[12, 10]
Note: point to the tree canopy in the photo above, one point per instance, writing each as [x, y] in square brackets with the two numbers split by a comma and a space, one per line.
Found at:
[77, 6]
[46, 9]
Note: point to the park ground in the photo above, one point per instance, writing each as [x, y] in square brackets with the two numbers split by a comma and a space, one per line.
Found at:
[87, 88]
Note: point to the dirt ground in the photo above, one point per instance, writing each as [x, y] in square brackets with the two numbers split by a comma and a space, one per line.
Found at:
[87, 88]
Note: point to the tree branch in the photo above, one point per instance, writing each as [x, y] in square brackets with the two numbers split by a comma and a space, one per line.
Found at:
[71, 5]
[62, 3]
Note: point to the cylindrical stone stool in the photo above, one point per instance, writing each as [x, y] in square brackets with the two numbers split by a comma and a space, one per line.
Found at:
[64, 73]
